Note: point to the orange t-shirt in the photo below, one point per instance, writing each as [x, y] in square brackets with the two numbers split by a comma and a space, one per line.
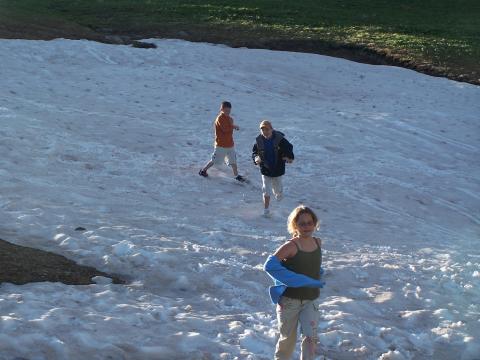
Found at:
[224, 131]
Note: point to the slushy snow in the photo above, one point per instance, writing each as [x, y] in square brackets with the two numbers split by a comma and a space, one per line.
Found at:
[111, 138]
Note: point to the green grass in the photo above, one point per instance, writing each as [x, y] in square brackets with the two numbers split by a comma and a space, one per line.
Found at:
[442, 34]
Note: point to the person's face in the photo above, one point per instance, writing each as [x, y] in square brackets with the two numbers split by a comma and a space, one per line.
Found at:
[267, 132]
[305, 224]
[226, 110]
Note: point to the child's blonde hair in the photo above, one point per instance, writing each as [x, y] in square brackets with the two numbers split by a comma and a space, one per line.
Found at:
[295, 214]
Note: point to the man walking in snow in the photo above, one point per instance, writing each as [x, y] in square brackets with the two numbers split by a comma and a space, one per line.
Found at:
[271, 151]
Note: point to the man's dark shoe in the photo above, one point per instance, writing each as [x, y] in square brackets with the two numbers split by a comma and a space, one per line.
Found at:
[202, 173]
[240, 178]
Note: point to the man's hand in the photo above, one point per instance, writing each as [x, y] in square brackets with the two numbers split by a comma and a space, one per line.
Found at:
[258, 160]
[288, 160]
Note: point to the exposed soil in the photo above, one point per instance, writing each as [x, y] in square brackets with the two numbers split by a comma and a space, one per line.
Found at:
[20, 265]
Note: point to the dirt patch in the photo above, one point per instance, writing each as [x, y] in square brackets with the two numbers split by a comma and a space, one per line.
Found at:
[20, 265]
[10, 29]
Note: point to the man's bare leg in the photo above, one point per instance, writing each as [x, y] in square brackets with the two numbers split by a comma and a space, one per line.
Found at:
[266, 201]
[266, 204]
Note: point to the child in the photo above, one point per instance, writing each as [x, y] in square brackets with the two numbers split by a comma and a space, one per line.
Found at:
[224, 150]
[270, 152]
[295, 269]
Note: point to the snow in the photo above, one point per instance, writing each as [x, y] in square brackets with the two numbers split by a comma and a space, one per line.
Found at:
[110, 138]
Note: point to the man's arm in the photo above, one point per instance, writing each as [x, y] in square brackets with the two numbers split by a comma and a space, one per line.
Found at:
[287, 150]
[255, 153]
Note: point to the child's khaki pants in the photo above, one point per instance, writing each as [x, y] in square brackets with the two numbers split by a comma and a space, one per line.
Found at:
[289, 313]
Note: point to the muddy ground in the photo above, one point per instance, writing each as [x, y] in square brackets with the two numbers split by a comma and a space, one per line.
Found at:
[21, 265]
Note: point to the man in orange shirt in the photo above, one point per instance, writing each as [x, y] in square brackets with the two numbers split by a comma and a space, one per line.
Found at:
[224, 151]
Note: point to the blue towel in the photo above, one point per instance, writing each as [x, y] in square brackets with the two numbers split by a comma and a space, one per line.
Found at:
[283, 278]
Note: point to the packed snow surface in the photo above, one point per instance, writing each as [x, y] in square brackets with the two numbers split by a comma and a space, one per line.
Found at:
[111, 138]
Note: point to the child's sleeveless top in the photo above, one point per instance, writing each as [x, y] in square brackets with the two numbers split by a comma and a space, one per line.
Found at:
[306, 263]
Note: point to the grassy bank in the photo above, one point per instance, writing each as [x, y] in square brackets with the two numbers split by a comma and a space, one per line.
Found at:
[440, 36]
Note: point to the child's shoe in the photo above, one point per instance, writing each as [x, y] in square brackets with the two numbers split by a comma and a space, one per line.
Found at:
[240, 178]
[266, 213]
[202, 173]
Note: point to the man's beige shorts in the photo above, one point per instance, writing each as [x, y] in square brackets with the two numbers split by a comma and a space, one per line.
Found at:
[272, 185]
[224, 155]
